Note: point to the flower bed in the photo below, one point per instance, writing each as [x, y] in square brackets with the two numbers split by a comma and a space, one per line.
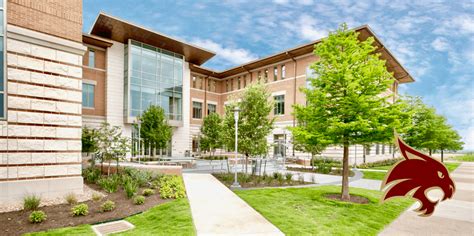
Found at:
[99, 209]
[250, 181]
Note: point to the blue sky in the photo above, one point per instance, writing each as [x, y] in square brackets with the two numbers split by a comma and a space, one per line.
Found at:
[434, 40]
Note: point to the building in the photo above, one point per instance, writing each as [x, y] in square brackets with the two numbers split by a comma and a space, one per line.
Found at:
[40, 98]
[57, 79]
[128, 67]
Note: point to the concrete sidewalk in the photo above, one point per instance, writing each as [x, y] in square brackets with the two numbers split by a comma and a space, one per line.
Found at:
[218, 211]
[452, 217]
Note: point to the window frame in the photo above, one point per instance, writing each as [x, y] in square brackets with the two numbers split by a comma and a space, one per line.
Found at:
[213, 105]
[275, 73]
[93, 95]
[238, 83]
[195, 110]
[3, 34]
[89, 50]
[283, 71]
[279, 107]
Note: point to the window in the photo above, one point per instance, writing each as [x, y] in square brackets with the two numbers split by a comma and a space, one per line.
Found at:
[283, 71]
[213, 85]
[227, 85]
[194, 81]
[197, 110]
[279, 108]
[265, 76]
[232, 85]
[259, 77]
[245, 81]
[383, 148]
[238, 82]
[211, 108]
[154, 76]
[88, 95]
[91, 58]
[3, 98]
[390, 149]
[200, 82]
[275, 73]
[377, 149]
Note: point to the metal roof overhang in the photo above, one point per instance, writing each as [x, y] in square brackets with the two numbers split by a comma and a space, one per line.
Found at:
[109, 27]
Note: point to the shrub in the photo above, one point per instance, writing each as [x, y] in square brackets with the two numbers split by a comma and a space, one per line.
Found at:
[280, 178]
[130, 187]
[31, 202]
[140, 177]
[107, 206]
[386, 162]
[289, 177]
[243, 178]
[275, 175]
[148, 192]
[172, 187]
[80, 210]
[139, 200]
[37, 217]
[327, 161]
[155, 184]
[96, 197]
[324, 168]
[71, 198]
[109, 184]
[91, 175]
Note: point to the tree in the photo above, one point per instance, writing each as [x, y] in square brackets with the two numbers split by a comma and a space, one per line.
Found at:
[154, 129]
[254, 125]
[306, 135]
[89, 142]
[211, 132]
[344, 102]
[429, 131]
[111, 145]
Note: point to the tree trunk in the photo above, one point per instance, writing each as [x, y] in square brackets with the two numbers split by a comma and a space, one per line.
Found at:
[312, 161]
[442, 152]
[246, 163]
[108, 169]
[345, 173]
[429, 151]
[363, 154]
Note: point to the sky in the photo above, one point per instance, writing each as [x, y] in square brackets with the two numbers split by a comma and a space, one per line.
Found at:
[433, 40]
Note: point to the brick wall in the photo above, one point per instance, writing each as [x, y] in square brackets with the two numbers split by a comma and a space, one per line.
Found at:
[62, 18]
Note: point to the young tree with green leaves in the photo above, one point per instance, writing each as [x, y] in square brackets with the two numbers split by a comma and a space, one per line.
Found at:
[254, 124]
[449, 140]
[111, 145]
[211, 133]
[155, 129]
[89, 142]
[344, 102]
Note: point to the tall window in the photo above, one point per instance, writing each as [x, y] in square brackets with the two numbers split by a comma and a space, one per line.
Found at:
[91, 58]
[154, 76]
[2, 79]
[245, 81]
[265, 76]
[377, 149]
[283, 71]
[88, 95]
[238, 82]
[227, 85]
[279, 108]
[211, 108]
[259, 76]
[194, 81]
[211, 85]
[231, 84]
[310, 73]
[275, 73]
[197, 110]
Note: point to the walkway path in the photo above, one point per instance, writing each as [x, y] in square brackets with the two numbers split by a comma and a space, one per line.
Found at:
[451, 217]
[218, 211]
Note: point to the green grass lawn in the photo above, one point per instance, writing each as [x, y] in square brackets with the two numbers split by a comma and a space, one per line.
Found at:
[306, 211]
[468, 157]
[377, 175]
[171, 218]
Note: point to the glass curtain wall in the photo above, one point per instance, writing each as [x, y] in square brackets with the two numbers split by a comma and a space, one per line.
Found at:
[155, 77]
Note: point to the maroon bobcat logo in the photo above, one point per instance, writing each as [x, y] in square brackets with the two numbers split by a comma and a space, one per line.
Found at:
[414, 176]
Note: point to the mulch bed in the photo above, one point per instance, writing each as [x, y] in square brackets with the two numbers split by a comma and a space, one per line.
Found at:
[353, 198]
[58, 216]
[259, 184]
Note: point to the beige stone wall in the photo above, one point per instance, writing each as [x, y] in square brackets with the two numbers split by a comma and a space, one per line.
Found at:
[40, 142]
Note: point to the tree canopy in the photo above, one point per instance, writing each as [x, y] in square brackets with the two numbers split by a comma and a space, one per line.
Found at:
[154, 128]
[211, 133]
[348, 101]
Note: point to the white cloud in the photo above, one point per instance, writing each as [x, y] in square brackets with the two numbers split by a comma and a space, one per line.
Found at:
[232, 55]
[468, 138]
[457, 25]
[282, 2]
[307, 28]
[440, 44]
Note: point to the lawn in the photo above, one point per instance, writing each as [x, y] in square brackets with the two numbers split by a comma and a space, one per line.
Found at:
[171, 218]
[378, 175]
[306, 211]
[468, 157]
